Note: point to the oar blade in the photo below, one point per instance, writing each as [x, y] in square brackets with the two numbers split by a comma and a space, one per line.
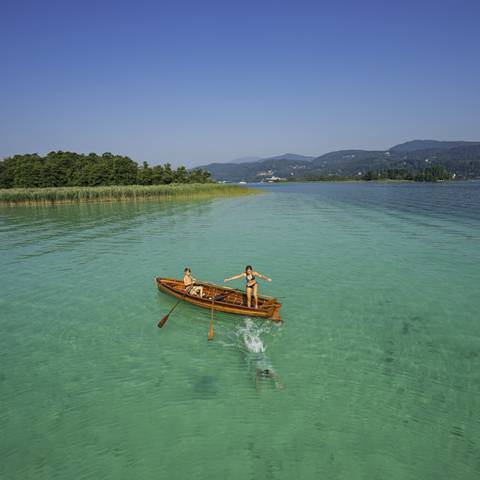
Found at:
[162, 322]
[210, 332]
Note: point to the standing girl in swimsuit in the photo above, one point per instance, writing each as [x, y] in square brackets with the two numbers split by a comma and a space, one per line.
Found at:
[252, 285]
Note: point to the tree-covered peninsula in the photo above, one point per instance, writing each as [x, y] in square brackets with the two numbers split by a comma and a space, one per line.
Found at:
[69, 169]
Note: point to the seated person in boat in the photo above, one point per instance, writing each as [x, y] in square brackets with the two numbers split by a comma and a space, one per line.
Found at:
[189, 283]
[252, 285]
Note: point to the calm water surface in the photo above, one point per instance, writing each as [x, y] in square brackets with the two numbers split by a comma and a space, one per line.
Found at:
[379, 354]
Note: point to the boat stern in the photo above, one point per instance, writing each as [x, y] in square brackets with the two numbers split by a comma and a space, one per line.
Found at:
[276, 313]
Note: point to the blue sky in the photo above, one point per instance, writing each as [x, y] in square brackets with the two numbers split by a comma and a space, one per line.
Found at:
[191, 82]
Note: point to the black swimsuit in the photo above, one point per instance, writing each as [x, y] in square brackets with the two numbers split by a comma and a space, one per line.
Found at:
[252, 277]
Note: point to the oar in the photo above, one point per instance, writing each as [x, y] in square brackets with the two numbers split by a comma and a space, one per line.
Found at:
[163, 321]
[210, 331]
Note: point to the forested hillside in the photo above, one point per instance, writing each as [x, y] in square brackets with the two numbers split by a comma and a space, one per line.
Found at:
[411, 160]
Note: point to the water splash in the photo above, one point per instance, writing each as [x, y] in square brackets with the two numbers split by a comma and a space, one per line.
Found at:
[253, 343]
[249, 335]
[249, 338]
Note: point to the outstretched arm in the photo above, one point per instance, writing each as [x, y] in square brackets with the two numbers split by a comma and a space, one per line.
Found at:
[235, 277]
[268, 279]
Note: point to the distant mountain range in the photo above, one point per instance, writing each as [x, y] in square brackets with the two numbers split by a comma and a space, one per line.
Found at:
[245, 160]
[461, 158]
[430, 145]
[285, 156]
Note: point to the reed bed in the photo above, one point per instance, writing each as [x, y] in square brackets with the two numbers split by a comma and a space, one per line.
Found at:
[122, 193]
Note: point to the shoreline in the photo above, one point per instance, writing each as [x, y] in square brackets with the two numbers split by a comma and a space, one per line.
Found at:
[391, 180]
[29, 197]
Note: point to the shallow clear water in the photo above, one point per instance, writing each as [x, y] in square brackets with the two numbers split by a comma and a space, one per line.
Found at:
[377, 363]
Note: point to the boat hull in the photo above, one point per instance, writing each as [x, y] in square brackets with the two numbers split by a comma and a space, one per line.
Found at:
[227, 300]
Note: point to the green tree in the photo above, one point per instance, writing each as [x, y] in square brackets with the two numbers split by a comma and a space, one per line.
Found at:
[180, 175]
[158, 175]
[123, 170]
[168, 174]
[145, 175]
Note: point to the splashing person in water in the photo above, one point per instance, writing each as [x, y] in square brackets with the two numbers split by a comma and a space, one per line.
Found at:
[256, 357]
[252, 284]
[265, 371]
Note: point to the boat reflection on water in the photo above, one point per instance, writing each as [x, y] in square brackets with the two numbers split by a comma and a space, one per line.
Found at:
[254, 350]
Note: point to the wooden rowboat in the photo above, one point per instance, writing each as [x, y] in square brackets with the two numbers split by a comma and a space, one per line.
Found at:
[228, 300]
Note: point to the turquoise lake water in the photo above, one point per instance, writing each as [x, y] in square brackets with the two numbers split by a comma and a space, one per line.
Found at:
[378, 357]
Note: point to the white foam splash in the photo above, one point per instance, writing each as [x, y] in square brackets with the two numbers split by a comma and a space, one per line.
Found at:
[250, 335]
